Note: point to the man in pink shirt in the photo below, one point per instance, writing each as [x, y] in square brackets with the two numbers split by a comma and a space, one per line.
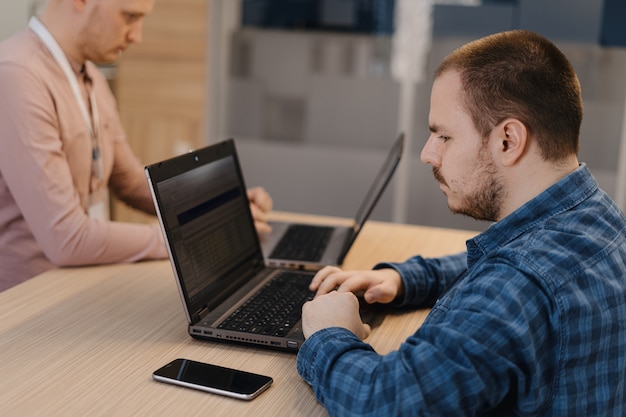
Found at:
[63, 147]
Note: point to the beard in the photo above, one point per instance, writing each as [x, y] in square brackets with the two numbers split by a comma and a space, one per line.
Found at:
[92, 35]
[485, 201]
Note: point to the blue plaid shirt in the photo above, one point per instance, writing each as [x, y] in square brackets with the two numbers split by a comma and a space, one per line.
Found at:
[534, 323]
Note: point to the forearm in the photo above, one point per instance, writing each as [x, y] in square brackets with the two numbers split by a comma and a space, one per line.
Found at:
[104, 243]
[461, 360]
[350, 379]
[425, 279]
[128, 181]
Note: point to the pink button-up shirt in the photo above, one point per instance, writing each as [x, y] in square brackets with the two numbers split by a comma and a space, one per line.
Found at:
[46, 166]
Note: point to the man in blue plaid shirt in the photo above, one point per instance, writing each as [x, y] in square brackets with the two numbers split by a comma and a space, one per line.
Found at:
[531, 320]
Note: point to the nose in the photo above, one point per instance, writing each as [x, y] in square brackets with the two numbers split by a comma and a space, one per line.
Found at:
[135, 33]
[431, 153]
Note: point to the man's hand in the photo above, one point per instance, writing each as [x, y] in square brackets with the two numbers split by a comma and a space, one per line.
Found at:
[336, 309]
[260, 204]
[379, 286]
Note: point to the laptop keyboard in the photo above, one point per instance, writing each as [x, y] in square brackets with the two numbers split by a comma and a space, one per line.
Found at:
[275, 308]
[303, 243]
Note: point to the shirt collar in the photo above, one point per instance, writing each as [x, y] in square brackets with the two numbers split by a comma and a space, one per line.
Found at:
[560, 197]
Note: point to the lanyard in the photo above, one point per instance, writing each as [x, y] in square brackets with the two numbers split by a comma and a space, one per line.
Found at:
[57, 53]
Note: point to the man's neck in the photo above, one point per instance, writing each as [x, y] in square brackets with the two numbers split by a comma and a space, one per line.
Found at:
[532, 179]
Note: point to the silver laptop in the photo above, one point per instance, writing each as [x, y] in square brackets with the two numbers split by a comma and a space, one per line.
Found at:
[224, 284]
[313, 246]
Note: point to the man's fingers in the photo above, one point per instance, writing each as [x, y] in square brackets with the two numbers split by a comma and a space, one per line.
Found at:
[321, 276]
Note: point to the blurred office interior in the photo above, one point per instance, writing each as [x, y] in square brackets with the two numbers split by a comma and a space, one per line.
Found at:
[308, 90]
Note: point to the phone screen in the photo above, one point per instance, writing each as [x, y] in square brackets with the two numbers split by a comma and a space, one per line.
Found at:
[213, 378]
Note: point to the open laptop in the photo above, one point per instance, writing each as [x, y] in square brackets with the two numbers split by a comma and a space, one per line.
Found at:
[313, 246]
[216, 255]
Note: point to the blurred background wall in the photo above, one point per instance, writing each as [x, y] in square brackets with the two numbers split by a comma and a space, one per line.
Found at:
[307, 90]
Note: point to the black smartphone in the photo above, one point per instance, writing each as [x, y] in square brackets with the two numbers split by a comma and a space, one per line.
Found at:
[214, 379]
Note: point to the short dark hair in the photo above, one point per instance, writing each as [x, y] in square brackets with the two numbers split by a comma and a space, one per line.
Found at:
[522, 75]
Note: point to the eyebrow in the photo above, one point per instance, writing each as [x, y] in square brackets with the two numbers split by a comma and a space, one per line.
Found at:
[434, 128]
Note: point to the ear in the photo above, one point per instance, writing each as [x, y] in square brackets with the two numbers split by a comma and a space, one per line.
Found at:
[511, 141]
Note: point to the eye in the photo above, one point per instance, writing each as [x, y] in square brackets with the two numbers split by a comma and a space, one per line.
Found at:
[131, 17]
[444, 138]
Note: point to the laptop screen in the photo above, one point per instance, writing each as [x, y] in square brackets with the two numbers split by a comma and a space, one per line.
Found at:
[376, 189]
[204, 210]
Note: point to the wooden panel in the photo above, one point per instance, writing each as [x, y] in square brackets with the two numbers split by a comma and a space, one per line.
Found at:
[161, 87]
[162, 135]
[164, 86]
[175, 29]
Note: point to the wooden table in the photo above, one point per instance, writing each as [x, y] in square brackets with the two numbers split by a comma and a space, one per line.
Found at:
[85, 341]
